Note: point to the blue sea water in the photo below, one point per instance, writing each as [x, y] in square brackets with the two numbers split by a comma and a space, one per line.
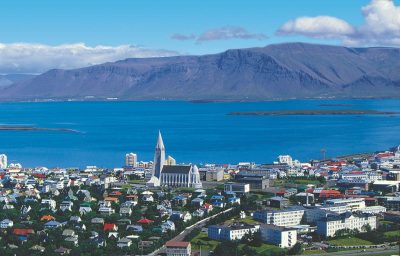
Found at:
[193, 132]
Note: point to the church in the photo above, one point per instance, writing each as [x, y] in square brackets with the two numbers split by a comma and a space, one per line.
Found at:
[172, 175]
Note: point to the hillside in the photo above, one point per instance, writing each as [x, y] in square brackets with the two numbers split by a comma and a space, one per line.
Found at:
[291, 70]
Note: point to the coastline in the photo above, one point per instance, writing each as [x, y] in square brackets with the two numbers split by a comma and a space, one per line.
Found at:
[32, 128]
[313, 112]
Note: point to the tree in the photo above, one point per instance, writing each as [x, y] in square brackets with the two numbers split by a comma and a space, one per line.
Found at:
[296, 249]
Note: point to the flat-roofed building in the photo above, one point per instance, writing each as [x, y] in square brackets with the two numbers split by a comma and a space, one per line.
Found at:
[288, 217]
[238, 188]
[231, 232]
[328, 226]
[279, 236]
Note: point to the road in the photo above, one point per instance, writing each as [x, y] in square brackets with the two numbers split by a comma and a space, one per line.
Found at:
[182, 235]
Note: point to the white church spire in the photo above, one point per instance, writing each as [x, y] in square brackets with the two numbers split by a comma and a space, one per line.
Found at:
[159, 156]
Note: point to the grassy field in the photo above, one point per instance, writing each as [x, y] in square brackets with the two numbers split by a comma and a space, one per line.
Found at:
[248, 220]
[309, 252]
[390, 234]
[349, 241]
[265, 247]
[203, 241]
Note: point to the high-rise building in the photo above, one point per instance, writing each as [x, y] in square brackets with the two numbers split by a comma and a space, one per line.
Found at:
[170, 161]
[3, 161]
[131, 160]
[159, 157]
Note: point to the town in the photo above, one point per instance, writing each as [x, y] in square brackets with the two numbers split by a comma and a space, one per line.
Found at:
[348, 204]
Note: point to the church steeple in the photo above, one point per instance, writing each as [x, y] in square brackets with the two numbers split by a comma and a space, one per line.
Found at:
[159, 156]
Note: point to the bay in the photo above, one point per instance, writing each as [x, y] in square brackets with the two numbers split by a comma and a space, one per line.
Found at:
[192, 132]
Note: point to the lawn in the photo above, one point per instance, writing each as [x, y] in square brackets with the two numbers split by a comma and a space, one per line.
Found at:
[308, 252]
[248, 220]
[265, 247]
[203, 241]
[349, 241]
[390, 234]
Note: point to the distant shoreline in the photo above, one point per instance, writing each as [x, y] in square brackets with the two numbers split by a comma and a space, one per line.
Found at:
[313, 112]
[32, 128]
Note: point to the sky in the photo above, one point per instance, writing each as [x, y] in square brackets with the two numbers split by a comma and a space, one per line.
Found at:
[39, 35]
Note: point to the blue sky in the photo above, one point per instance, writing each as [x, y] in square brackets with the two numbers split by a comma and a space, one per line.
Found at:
[150, 25]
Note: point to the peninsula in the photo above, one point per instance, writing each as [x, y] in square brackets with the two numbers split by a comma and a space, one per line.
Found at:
[313, 112]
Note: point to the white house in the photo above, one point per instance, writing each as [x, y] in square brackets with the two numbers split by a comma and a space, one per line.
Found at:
[6, 223]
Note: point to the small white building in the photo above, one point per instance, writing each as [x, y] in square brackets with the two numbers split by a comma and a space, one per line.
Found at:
[231, 232]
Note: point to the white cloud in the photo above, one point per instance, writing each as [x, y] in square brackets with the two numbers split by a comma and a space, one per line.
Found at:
[223, 33]
[318, 27]
[229, 32]
[381, 26]
[38, 58]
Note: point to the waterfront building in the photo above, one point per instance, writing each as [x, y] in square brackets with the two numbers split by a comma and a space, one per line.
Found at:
[231, 232]
[284, 218]
[131, 160]
[279, 236]
[3, 161]
[328, 226]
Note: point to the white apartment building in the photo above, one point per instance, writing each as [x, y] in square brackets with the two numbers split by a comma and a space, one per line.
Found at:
[231, 232]
[285, 159]
[131, 160]
[328, 226]
[3, 161]
[279, 218]
[354, 204]
[280, 236]
[373, 209]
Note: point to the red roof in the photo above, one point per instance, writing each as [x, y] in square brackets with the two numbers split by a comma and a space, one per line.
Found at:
[115, 193]
[145, 221]
[109, 226]
[23, 231]
[39, 175]
[177, 244]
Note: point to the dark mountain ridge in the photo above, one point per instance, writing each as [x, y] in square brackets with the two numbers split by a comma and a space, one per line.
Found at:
[281, 71]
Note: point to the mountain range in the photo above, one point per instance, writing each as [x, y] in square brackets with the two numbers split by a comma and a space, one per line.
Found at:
[280, 71]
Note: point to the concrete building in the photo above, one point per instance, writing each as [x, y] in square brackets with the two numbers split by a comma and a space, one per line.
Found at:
[278, 202]
[170, 161]
[333, 223]
[390, 203]
[256, 181]
[131, 160]
[284, 218]
[354, 204]
[231, 232]
[178, 248]
[279, 236]
[3, 161]
[238, 188]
